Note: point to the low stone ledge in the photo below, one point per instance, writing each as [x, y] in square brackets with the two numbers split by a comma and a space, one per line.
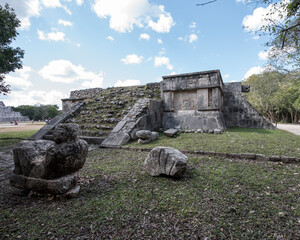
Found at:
[247, 156]
[92, 140]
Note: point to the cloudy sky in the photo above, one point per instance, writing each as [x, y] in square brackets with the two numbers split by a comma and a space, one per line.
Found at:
[79, 44]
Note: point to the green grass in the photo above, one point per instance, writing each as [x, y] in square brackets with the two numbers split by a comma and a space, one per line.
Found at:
[217, 199]
[234, 140]
[11, 142]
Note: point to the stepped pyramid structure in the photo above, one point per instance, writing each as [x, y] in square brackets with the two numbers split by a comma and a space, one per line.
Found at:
[189, 101]
[7, 114]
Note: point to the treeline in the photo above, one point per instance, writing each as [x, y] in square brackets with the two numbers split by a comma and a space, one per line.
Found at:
[276, 95]
[42, 112]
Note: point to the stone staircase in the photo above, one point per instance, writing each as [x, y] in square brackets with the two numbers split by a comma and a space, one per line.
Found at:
[100, 111]
[106, 108]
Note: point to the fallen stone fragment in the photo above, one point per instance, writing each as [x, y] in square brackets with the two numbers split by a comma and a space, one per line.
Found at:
[154, 135]
[166, 161]
[171, 132]
[144, 134]
[217, 131]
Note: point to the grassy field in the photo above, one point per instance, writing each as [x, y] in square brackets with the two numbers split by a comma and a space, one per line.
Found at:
[216, 199]
[20, 131]
[234, 140]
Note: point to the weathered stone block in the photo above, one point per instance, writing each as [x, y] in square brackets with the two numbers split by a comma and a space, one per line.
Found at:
[171, 132]
[166, 161]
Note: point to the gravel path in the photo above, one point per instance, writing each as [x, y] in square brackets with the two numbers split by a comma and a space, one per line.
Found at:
[293, 128]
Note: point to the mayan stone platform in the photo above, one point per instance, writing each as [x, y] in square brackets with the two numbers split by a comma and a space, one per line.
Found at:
[7, 114]
[193, 101]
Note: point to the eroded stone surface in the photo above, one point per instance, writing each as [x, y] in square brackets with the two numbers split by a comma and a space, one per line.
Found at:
[50, 167]
[166, 161]
[65, 133]
[171, 132]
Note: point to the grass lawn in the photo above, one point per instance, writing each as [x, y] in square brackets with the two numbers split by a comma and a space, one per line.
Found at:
[21, 131]
[216, 199]
[234, 140]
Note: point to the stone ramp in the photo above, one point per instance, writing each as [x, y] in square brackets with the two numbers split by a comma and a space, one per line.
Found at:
[58, 119]
[146, 114]
[238, 112]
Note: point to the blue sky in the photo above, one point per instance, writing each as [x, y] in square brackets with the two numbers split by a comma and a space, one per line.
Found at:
[78, 44]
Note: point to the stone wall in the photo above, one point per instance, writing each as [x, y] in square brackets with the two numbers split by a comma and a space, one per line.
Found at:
[238, 112]
[7, 114]
[193, 101]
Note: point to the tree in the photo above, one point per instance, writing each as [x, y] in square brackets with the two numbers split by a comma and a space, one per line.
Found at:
[276, 95]
[10, 58]
[284, 32]
[263, 88]
[284, 53]
[38, 113]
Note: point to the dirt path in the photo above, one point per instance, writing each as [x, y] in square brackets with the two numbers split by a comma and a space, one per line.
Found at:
[6, 127]
[293, 128]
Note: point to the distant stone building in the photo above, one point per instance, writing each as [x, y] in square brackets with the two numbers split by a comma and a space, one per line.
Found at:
[7, 114]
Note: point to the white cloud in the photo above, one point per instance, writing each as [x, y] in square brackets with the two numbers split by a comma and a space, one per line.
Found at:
[145, 36]
[51, 3]
[21, 81]
[254, 70]
[132, 59]
[164, 23]
[159, 41]
[180, 38]
[110, 38]
[263, 55]
[52, 36]
[261, 17]
[125, 15]
[17, 98]
[64, 71]
[129, 82]
[55, 4]
[192, 38]
[226, 76]
[79, 2]
[193, 25]
[160, 61]
[78, 45]
[24, 10]
[65, 23]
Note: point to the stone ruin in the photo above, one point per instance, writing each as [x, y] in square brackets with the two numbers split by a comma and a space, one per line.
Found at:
[193, 102]
[47, 167]
[7, 114]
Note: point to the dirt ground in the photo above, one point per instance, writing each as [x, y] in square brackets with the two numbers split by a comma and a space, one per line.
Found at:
[7, 127]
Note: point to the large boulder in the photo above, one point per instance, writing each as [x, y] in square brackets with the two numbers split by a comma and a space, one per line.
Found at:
[166, 161]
